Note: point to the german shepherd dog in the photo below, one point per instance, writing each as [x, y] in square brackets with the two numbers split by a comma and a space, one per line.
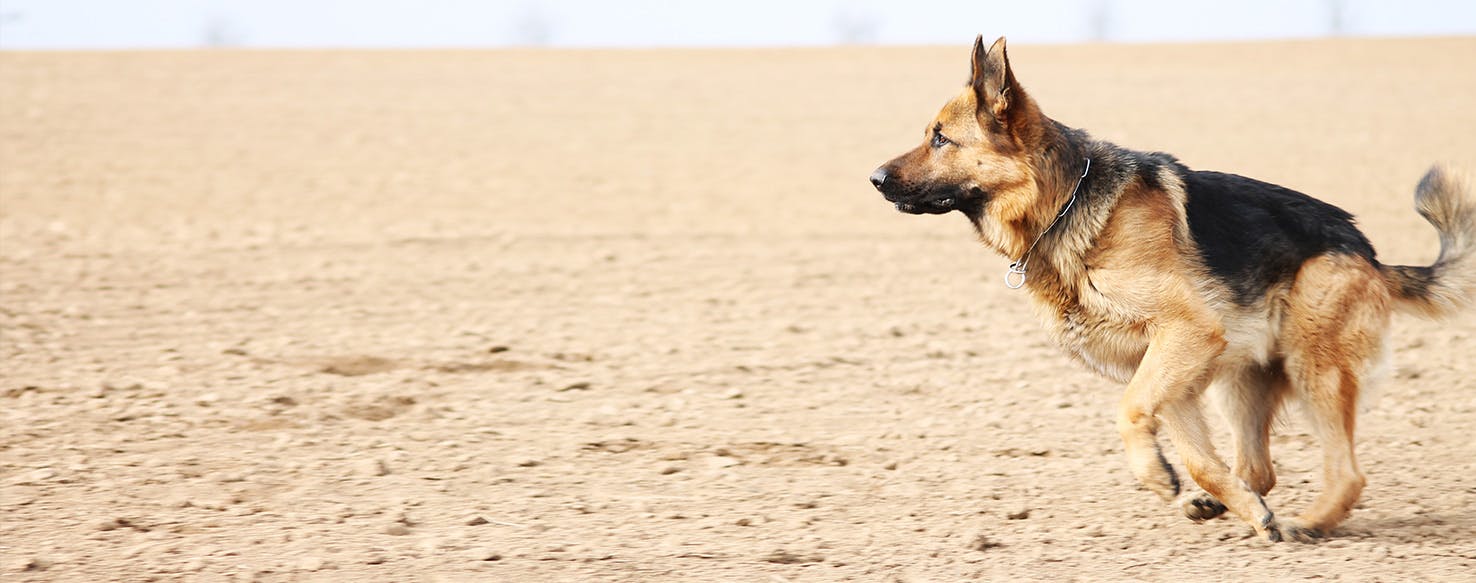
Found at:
[1180, 282]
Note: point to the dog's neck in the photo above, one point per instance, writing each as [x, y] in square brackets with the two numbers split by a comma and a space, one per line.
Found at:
[1051, 242]
[1056, 167]
[1019, 270]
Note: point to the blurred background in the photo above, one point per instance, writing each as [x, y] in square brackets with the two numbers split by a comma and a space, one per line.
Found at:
[139, 24]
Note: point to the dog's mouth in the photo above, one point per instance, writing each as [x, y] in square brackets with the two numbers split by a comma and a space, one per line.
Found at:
[931, 203]
[926, 207]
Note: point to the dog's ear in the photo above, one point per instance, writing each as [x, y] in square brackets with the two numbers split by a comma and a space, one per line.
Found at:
[993, 81]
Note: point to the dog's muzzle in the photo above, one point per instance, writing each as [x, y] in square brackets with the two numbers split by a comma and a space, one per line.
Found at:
[907, 202]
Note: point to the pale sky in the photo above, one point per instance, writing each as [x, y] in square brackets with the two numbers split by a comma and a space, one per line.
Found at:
[137, 24]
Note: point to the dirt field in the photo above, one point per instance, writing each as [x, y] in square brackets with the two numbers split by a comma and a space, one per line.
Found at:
[637, 316]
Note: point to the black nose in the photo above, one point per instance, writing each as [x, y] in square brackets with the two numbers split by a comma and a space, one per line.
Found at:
[879, 178]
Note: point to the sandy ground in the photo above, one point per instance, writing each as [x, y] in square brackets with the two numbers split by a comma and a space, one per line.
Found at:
[637, 316]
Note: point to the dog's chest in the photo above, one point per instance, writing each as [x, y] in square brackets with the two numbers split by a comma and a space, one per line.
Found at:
[1108, 342]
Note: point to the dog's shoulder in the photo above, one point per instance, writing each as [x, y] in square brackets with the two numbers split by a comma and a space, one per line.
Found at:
[1137, 201]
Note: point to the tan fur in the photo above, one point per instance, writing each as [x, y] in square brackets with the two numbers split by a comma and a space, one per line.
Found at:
[1124, 290]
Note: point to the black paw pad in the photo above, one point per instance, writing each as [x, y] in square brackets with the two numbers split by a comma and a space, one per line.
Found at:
[1203, 508]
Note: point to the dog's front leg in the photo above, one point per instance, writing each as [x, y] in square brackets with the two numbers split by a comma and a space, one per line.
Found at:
[1137, 422]
[1166, 387]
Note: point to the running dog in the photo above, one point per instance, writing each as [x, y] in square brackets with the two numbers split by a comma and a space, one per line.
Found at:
[1180, 282]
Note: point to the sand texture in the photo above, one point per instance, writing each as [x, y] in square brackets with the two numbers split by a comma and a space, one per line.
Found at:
[638, 316]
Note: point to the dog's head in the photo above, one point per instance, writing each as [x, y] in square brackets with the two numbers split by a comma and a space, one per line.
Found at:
[976, 154]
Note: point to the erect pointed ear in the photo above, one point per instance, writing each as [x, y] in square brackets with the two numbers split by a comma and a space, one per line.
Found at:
[992, 79]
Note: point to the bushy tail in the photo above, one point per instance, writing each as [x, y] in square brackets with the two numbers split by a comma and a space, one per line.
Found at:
[1449, 284]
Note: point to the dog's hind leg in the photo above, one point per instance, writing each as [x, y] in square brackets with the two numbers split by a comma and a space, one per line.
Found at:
[1330, 398]
[1337, 316]
[1249, 399]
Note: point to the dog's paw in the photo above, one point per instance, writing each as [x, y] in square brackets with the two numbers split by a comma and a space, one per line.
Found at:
[1271, 529]
[1297, 531]
[1202, 507]
[1158, 477]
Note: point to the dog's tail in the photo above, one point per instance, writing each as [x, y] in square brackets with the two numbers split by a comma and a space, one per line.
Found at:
[1449, 284]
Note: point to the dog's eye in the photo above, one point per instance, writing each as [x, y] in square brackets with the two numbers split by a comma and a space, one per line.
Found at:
[939, 140]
